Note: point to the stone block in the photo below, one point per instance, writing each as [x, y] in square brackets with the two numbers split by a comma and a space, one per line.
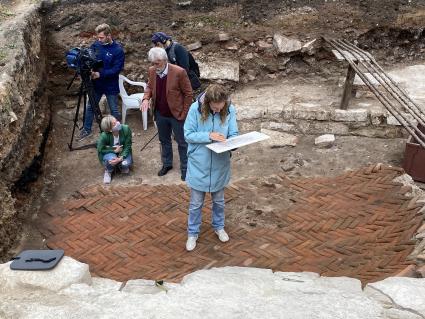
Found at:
[68, 271]
[286, 45]
[220, 70]
[279, 139]
[354, 115]
[310, 111]
[279, 126]
[336, 128]
[248, 112]
[222, 37]
[324, 140]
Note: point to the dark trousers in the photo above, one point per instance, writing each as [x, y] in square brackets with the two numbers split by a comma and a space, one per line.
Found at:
[166, 125]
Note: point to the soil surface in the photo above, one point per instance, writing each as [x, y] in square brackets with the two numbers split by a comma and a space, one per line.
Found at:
[393, 33]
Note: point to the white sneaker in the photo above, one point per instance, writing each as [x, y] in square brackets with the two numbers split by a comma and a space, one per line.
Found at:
[191, 243]
[222, 235]
[107, 177]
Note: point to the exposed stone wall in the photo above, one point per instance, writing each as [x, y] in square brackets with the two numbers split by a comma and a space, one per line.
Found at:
[24, 111]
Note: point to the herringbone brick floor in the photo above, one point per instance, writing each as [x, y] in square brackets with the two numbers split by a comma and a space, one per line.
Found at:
[359, 224]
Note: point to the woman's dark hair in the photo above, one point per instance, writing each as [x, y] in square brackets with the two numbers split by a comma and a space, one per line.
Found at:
[215, 93]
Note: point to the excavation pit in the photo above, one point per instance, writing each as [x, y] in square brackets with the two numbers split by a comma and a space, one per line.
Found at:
[281, 212]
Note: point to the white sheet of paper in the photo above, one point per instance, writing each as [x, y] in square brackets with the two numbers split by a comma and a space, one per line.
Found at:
[237, 141]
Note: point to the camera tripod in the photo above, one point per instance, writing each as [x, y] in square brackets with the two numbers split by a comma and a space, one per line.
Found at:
[86, 89]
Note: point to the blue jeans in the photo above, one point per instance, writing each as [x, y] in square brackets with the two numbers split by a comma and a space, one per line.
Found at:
[126, 163]
[195, 211]
[166, 125]
[113, 106]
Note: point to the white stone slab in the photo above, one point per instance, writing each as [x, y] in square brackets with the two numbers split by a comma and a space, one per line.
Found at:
[229, 292]
[326, 139]
[67, 272]
[219, 70]
[405, 293]
[286, 45]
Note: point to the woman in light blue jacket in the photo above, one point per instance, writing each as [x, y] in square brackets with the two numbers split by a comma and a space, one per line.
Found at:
[210, 119]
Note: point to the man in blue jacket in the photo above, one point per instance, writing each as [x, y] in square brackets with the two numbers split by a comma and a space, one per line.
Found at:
[105, 80]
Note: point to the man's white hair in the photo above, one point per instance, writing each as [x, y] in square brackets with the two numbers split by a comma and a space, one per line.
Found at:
[157, 54]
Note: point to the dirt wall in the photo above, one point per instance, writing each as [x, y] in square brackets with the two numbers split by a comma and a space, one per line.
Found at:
[24, 112]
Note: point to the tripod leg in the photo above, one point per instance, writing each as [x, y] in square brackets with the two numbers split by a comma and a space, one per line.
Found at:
[80, 93]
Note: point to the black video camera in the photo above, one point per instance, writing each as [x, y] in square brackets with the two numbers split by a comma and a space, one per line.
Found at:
[83, 60]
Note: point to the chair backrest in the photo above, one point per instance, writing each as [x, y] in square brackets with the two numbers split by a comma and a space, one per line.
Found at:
[121, 80]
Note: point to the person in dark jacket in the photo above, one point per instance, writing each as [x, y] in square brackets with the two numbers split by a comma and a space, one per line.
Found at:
[212, 118]
[114, 147]
[177, 54]
[105, 80]
[162, 40]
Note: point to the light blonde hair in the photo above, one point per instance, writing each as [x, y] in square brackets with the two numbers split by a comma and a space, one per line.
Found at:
[105, 28]
[215, 93]
[106, 124]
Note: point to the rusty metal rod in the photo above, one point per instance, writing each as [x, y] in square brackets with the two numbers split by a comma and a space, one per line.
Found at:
[383, 99]
[381, 77]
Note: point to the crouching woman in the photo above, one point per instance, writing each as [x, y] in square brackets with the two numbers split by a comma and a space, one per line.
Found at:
[114, 147]
[211, 118]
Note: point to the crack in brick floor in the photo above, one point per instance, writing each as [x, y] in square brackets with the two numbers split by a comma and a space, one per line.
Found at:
[359, 224]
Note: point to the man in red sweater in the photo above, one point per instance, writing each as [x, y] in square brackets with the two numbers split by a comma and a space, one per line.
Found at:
[171, 94]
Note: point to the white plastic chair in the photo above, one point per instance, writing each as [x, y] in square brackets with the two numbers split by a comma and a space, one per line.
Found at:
[132, 101]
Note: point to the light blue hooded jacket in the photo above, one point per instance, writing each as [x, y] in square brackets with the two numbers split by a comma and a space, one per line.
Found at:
[207, 171]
